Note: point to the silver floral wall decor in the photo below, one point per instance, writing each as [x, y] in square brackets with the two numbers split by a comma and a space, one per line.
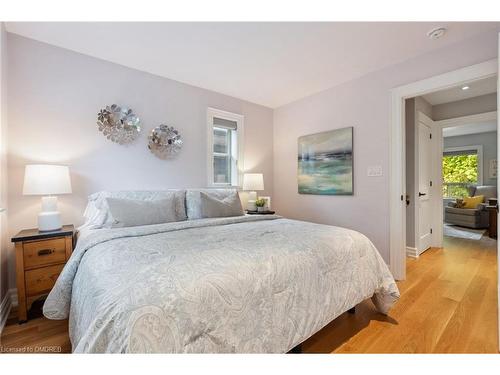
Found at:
[118, 124]
[165, 142]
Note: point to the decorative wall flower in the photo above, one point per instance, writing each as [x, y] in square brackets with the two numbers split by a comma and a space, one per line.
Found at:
[118, 124]
[165, 142]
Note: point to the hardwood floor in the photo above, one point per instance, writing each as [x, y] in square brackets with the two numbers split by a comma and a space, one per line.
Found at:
[448, 305]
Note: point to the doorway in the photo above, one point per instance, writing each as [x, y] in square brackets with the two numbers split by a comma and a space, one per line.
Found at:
[451, 157]
[398, 170]
[397, 187]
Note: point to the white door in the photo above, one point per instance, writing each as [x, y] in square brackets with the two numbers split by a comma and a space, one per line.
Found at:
[424, 192]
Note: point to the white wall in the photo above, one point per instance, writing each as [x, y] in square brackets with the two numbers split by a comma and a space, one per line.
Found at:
[55, 91]
[3, 162]
[466, 107]
[54, 97]
[363, 103]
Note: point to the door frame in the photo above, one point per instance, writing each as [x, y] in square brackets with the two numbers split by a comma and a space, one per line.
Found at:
[438, 172]
[397, 180]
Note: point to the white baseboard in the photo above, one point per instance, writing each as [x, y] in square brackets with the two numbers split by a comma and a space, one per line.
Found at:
[423, 251]
[13, 297]
[411, 252]
[5, 307]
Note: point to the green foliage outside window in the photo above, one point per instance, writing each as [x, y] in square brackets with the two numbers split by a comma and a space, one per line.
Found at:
[459, 171]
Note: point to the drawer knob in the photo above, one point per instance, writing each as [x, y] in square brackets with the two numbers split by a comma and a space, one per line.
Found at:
[45, 252]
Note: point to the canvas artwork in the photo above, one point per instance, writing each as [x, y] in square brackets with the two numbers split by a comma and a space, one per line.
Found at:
[326, 163]
[493, 168]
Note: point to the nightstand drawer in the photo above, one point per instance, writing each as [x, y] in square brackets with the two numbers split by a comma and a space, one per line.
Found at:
[41, 253]
[40, 258]
[41, 280]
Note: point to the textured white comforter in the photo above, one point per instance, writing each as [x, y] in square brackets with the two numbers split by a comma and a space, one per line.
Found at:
[243, 284]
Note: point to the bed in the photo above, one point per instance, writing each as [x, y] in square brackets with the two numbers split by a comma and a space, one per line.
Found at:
[239, 284]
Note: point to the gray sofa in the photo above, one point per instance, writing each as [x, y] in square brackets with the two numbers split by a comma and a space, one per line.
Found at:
[471, 217]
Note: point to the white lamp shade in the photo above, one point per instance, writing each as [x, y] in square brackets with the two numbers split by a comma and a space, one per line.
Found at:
[43, 179]
[253, 181]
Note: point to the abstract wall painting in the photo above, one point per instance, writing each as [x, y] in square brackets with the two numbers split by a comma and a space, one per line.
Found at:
[325, 163]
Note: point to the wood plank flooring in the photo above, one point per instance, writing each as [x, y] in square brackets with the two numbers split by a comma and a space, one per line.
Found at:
[448, 305]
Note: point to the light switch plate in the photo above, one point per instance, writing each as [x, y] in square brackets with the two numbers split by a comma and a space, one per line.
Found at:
[374, 171]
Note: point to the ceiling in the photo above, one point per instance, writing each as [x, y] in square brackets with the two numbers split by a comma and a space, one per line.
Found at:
[266, 63]
[477, 88]
[472, 128]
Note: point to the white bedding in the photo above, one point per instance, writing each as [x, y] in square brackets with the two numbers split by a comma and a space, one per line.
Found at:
[250, 284]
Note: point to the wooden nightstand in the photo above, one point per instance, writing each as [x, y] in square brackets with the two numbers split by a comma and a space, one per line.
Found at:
[40, 258]
[268, 212]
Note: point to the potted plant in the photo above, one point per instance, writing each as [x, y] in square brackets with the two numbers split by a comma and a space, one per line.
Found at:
[260, 203]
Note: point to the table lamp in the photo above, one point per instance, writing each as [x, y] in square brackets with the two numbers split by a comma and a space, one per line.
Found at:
[47, 180]
[251, 183]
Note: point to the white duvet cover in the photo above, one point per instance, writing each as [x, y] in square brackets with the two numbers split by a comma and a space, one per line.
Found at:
[249, 284]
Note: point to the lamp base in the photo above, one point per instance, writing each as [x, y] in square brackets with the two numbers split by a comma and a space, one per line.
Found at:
[251, 206]
[49, 219]
[252, 197]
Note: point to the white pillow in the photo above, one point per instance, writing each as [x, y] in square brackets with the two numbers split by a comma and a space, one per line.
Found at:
[91, 214]
[193, 199]
[213, 207]
[97, 213]
[131, 213]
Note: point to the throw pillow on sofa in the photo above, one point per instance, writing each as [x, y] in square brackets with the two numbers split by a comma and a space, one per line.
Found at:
[473, 202]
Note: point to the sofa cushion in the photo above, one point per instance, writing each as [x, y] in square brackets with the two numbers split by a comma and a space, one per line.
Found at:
[462, 211]
[487, 191]
[464, 220]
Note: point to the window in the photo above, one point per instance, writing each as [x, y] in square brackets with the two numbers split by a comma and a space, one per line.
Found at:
[225, 151]
[461, 169]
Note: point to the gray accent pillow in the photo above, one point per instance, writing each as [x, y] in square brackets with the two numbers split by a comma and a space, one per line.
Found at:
[131, 213]
[193, 200]
[213, 207]
[97, 213]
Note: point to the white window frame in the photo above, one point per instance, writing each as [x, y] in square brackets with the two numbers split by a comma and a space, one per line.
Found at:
[237, 143]
[479, 151]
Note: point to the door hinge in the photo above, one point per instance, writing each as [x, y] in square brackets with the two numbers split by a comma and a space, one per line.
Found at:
[431, 230]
